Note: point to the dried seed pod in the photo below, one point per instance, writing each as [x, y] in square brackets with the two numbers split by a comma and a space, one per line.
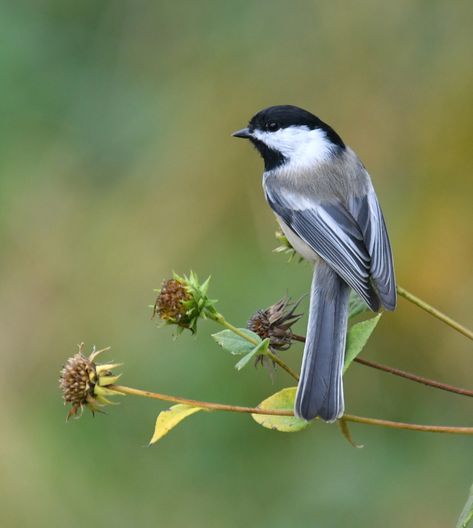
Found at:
[84, 383]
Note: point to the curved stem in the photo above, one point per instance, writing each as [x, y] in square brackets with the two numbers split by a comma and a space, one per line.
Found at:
[284, 412]
[436, 313]
[196, 403]
[409, 426]
[220, 319]
[415, 377]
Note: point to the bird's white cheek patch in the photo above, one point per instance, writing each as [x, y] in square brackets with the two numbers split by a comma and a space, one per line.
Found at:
[301, 146]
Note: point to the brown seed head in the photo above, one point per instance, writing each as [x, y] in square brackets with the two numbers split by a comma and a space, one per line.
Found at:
[84, 383]
[275, 323]
[76, 379]
[259, 323]
[169, 305]
[182, 301]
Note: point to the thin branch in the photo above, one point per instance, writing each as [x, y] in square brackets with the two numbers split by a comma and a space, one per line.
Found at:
[220, 319]
[415, 377]
[436, 313]
[196, 403]
[407, 375]
[409, 426]
[283, 412]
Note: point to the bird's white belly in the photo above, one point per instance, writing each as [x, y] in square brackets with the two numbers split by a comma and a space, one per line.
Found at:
[297, 243]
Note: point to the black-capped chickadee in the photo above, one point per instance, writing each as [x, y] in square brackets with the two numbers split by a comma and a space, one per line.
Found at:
[324, 200]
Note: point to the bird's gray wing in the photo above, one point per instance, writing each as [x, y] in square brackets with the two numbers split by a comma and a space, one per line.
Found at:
[369, 217]
[332, 232]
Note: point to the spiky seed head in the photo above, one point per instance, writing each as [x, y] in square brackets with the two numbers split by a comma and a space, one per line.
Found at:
[182, 301]
[274, 323]
[76, 379]
[84, 383]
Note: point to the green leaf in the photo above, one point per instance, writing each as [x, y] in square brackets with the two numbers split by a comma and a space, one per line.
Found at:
[282, 400]
[356, 305]
[171, 417]
[357, 337]
[345, 430]
[234, 343]
[260, 348]
[466, 515]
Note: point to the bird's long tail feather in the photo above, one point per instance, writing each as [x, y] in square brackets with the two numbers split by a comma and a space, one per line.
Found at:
[320, 390]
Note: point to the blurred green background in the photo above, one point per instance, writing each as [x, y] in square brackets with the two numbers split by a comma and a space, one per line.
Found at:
[117, 166]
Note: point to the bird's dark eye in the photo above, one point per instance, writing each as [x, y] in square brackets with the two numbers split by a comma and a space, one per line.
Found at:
[272, 126]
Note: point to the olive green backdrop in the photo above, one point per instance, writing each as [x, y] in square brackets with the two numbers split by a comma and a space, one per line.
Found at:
[117, 166]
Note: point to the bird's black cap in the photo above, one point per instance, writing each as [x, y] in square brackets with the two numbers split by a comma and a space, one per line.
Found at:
[284, 116]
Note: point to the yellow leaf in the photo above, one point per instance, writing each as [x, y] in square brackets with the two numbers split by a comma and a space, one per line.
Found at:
[171, 417]
[284, 401]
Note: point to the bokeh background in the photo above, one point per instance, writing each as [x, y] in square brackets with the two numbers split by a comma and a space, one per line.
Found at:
[117, 166]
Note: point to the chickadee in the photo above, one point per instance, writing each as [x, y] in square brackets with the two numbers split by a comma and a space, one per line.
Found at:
[324, 201]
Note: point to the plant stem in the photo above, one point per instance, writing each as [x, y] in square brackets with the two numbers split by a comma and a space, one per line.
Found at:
[284, 412]
[409, 426]
[283, 365]
[196, 403]
[219, 318]
[415, 377]
[407, 375]
[436, 313]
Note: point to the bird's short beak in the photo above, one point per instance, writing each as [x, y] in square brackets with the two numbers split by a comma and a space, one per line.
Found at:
[243, 133]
